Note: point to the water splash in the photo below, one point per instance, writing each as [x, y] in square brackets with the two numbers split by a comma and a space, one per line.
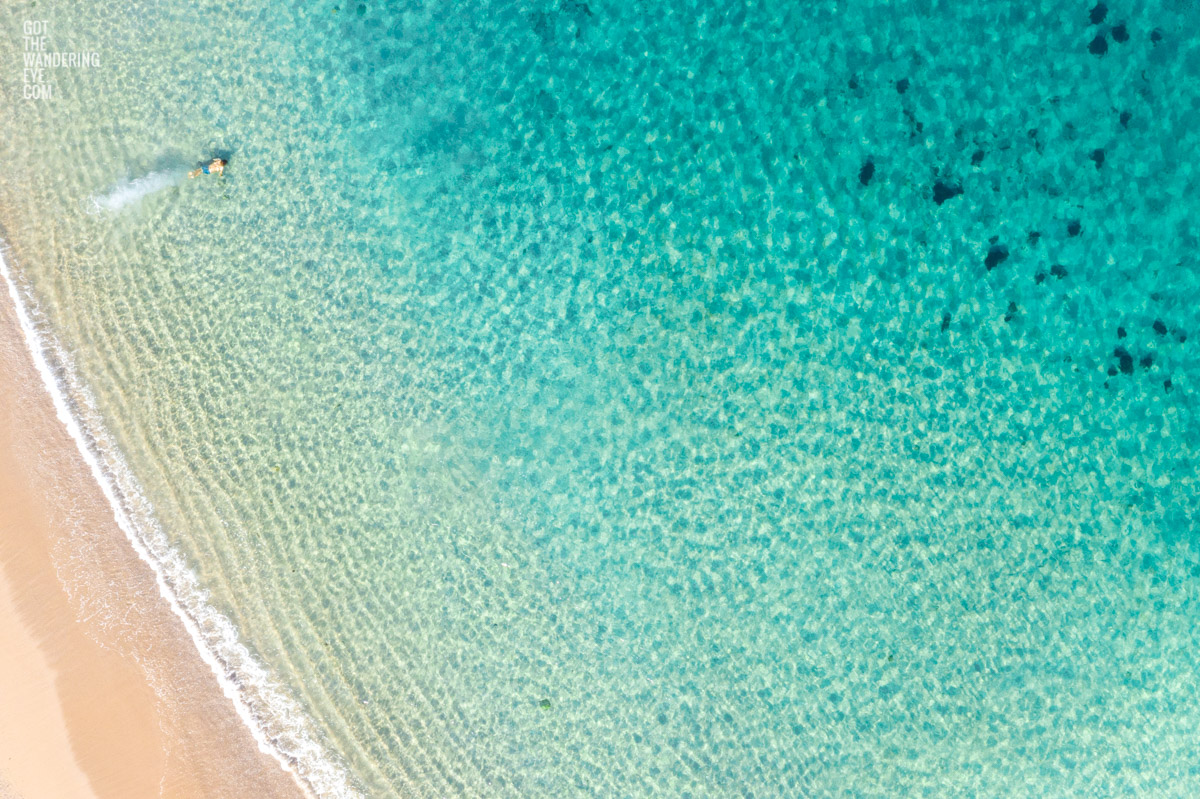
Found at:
[126, 192]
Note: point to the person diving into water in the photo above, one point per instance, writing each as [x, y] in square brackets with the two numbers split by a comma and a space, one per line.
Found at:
[217, 166]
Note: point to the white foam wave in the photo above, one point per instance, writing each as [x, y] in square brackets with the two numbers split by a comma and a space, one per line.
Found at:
[126, 192]
[278, 724]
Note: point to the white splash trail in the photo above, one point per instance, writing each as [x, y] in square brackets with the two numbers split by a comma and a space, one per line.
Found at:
[126, 192]
[277, 723]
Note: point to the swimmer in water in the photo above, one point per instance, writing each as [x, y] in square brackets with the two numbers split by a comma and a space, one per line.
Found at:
[217, 165]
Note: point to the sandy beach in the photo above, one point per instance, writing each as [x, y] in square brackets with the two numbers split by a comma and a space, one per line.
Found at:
[102, 690]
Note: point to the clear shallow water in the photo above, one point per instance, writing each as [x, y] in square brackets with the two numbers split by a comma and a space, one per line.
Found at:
[553, 409]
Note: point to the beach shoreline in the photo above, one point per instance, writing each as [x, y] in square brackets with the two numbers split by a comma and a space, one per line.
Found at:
[110, 696]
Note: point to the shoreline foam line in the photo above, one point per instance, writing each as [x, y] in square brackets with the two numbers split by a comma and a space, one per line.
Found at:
[277, 722]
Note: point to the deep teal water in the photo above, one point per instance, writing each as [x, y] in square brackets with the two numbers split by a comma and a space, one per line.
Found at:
[601, 399]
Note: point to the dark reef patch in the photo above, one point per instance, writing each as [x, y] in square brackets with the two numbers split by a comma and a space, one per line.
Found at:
[867, 172]
[943, 191]
[1073, 228]
[1098, 13]
[997, 254]
[1099, 45]
[1124, 360]
[1097, 155]
[1120, 34]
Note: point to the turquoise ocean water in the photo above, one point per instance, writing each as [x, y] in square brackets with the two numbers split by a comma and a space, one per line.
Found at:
[647, 400]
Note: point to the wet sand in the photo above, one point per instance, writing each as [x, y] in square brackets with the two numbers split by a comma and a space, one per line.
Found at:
[103, 693]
